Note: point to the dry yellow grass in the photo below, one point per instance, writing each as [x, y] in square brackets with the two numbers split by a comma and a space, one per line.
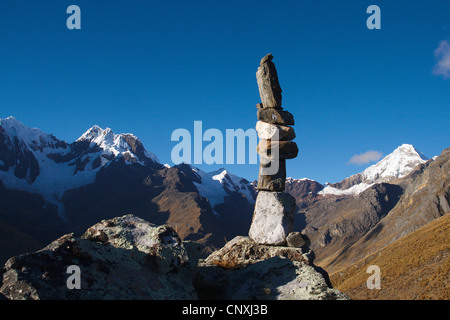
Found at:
[416, 266]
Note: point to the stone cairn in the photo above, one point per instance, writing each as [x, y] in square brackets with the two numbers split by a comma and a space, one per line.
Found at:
[273, 218]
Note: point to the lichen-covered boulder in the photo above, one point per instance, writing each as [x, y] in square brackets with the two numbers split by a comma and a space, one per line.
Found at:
[121, 258]
[246, 270]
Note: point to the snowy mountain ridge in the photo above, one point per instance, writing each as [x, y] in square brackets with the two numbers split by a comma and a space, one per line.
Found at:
[32, 137]
[34, 161]
[37, 162]
[397, 164]
[52, 166]
[115, 144]
[218, 184]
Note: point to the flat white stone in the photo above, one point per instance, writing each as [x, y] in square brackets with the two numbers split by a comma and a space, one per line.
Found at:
[274, 132]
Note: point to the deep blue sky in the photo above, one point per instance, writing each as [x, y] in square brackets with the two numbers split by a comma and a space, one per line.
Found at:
[150, 67]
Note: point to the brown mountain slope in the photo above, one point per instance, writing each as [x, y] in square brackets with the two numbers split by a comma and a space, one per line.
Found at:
[303, 190]
[333, 223]
[26, 222]
[22, 242]
[159, 195]
[416, 266]
[426, 197]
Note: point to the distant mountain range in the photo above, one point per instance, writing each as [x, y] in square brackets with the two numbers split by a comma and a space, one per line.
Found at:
[396, 165]
[49, 187]
[37, 162]
[346, 228]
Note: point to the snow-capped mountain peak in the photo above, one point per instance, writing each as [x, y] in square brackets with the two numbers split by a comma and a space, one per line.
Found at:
[397, 164]
[218, 184]
[125, 144]
[34, 161]
[32, 137]
[92, 133]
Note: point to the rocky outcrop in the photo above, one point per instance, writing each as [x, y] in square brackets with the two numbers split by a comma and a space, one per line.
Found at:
[121, 258]
[128, 258]
[244, 269]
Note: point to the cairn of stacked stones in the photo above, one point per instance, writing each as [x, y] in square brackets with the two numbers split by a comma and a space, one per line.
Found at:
[273, 218]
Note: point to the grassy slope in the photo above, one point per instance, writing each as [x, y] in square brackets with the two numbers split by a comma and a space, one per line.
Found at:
[416, 266]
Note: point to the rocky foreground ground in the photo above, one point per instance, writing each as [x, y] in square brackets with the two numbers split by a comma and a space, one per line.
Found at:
[130, 258]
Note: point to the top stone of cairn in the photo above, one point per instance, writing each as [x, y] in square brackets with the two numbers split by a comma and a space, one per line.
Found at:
[269, 87]
[269, 57]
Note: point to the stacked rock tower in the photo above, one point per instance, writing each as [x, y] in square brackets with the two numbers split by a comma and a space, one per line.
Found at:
[273, 218]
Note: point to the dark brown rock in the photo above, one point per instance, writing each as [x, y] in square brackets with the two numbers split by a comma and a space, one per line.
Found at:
[274, 182]
[297, 240]
[286, 149]
[247, 270]
[275, 116]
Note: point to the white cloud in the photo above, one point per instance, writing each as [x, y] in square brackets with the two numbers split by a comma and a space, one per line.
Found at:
[366, 157]
[442, 54]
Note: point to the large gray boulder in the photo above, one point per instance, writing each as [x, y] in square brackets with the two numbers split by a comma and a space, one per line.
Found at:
[273, 218]
[121, 258]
